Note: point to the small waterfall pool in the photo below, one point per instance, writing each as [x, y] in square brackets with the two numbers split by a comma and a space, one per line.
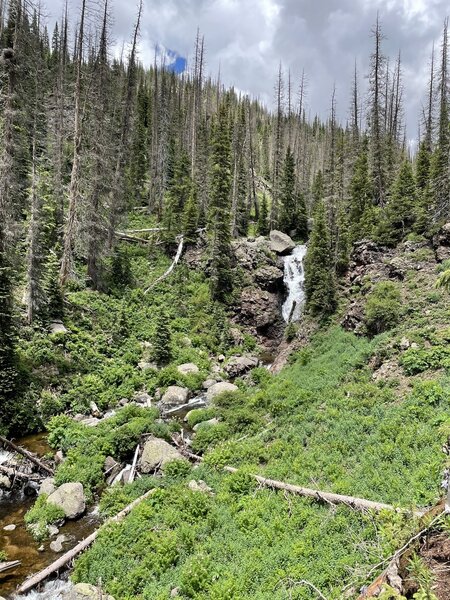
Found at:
[294, 279]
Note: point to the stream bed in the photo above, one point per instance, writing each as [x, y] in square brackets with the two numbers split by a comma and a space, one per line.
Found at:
[20, 545]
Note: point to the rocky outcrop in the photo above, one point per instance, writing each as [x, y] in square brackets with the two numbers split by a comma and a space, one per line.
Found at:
[220, 388]
[175, 396]
[208, 423]
[441, 243]
[240, 365]
[188, 369]
[269, 277]
[70, 497]
[258, 308]
[280, 242]
[156, 454]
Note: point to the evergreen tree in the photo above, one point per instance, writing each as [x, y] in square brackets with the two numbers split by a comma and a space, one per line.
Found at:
[361, 207]
[320, 285]
[162, 339]
[242, 200]
[220, 218]
[190, 217]
[263, 219]
[288, 198]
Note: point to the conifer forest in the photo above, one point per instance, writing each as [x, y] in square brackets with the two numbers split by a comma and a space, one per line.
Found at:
[224, 323]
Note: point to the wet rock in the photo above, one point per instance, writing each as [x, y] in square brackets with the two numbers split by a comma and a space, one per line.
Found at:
[239, 365]
[188, 369]
[90, 421]
[57, 545]
[259, 308]
[85, 591]
[220, 388]
[5, 482]
[156, 454]
[210, 423]
[52, 530]
[11, 527]
[175, 395]
[269, 278]
[208, 383]
[199, 486]
[280, 242]
[70, 497]
[47, 486]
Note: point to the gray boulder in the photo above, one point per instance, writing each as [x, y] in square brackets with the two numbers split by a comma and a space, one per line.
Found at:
[70, 497]
[175, 395]
[57, 545]
[280, 242]
[239, 365]
[188, 369]
[85, 591]
[269, 278]
[209, 423]
[156, 454]
[220, 388]
[208, 383]
[47, 486]
[57, 327]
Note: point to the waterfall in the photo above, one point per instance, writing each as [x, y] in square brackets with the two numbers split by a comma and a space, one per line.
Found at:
[294, 278]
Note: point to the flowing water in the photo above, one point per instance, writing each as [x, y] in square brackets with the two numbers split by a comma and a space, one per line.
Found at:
[294, 279]
[19, 544]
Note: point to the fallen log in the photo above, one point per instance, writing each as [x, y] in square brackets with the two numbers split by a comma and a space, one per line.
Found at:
[11, 564]
[10, 472]
[27, 455]
[328, 497]
[133, 466]
[171, 268]
[150, 230]
[63, 560]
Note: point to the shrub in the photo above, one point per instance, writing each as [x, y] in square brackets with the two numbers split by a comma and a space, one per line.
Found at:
[383, 307]
[41, 515]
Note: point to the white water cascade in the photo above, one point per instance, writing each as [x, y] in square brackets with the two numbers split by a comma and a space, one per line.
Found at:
[294, 279]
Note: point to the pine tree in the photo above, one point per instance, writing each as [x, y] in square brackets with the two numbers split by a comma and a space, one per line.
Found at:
[320, 285]
[263, 220]
[220, 218]
[288, 197]
[162, 339]
[190, 217]
[361, 206]
[242, 200]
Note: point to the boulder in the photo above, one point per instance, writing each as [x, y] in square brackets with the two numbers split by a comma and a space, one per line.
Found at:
[47, 486]
[59, 457]
[95, 411]
[239, 365]
[188, 369]
[85, 591]
[9, 527]
[175, 395]
[147, 366]
[209, 423]
[143, 398]
[442, 238]
[199, 486]
[70, 497]
[259, 308]
[208, 383]
[57, 327]
[5, 482]
[269, 278]
[220, 388]
[280, 242]
[156, 454]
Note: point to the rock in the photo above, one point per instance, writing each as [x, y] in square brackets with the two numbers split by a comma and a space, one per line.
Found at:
[95, 411]
[41, 548]
[237, 336]
[221, 357]
[47, 486]
[239, 365]
[9, 527]
[175, 395]
[208, 383]
[147, 366]
[187, 369]
[59, 457]
[5, 482]
[57, 545]
[210, 422]
[144, 399]
[70, 497]
[220, 388]
[156, 454]
[109, 463]
[404, 343]
[85, 591]
[442, 253]
[199, 486]
[174, 592]
[280, 242]
[52, 530]
[90, 421]
[366, 252]
[442, 238]
[259, 308]
[57, 327]
[354, 318]
[123, 401]
[269, 278]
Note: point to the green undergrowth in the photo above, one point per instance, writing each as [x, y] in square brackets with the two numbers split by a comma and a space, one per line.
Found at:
[323, 422]
[41, 515]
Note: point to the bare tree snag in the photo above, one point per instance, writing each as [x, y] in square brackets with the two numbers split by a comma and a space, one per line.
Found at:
[171, 268]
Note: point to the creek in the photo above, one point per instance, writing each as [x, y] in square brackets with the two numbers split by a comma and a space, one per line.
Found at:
[294, 281]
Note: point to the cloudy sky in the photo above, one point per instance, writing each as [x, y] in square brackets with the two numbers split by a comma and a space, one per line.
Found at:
[248, 39]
